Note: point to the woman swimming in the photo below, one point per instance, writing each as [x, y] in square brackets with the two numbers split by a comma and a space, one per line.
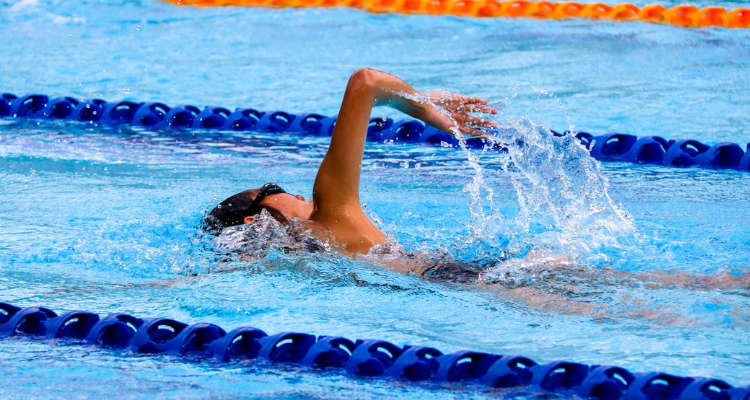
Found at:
[334, 214]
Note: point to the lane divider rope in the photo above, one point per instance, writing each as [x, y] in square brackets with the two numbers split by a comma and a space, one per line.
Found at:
[688, 16]
[360, 358]
[160, 117]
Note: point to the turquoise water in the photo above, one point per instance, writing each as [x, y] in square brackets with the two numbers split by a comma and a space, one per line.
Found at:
[93, 217]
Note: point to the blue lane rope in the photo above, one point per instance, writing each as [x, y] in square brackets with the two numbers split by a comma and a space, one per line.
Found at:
[360, 358]
[158, 116]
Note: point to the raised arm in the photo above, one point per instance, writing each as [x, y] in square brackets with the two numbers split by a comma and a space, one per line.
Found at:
[337, 182]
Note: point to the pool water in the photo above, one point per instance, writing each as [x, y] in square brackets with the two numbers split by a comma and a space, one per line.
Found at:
[106, 220]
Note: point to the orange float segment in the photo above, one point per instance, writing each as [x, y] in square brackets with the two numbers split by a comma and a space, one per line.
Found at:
[449, 6]
[280, 3]
[596, 10]
[541, 10]
[652, 13]
[399, 6]
[490, 8]
[434, 7]
[412, 6]
[300, 3]
[360, 4]
[382, 5]
[325, 3]
[710, 16]
[738, 18]
[568, 9]
[624, 12]
[463, 7]
[208, 3]
[681, 15]
[370, 6]
[516, 8]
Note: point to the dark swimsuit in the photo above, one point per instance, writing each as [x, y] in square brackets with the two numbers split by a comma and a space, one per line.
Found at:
[457, 272]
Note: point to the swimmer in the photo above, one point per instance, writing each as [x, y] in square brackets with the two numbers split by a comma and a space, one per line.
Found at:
[334, 214]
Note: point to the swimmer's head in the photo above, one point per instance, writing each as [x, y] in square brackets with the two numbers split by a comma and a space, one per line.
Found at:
[242, 207]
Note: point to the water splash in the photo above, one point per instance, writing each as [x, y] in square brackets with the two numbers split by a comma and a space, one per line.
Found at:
[266, 235]
[563, 207]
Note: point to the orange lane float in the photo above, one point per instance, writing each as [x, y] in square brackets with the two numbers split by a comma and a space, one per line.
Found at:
[653, 13]
[624, 12]
[688, 16]
[596, 11]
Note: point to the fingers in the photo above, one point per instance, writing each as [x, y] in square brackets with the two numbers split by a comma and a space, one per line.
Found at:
[472, 100]
[463, 99]
[453, 112]
[471, 120]
[480, 108]
[467, 130]
[468, 104]
[455, 99]
[470, 125]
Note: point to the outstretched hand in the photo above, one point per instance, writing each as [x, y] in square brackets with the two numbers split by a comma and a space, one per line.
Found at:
[450, 112]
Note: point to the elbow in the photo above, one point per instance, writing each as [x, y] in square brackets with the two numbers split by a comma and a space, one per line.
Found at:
[363, 79]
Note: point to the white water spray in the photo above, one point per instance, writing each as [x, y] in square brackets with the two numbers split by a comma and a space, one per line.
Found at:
[563, 207]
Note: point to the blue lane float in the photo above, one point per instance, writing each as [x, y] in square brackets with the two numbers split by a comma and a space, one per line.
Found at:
[158, 116]
[360, 358]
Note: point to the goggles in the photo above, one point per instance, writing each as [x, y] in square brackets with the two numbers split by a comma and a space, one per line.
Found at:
[265, 191]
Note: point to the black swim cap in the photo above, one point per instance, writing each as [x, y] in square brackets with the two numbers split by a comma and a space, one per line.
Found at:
[234, 209]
